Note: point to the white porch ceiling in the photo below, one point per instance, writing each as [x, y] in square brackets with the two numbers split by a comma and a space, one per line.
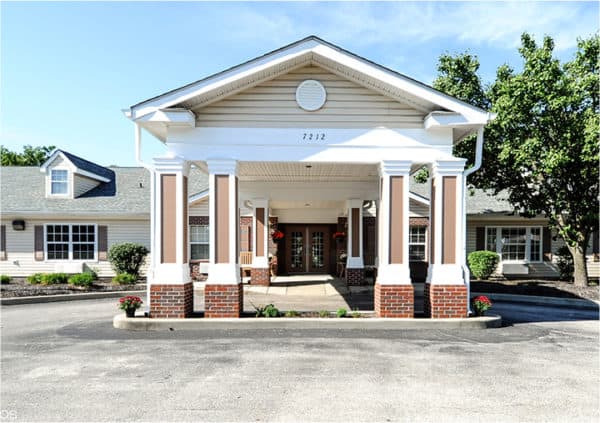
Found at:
[307, 172]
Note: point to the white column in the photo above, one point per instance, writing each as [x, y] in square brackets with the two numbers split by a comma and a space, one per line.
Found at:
[355, 258]
[393, 269]
[169, 230]
[222, 270]
[260, 261]
[447, 235]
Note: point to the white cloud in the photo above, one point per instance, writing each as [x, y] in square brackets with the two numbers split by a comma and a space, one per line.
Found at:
[497, 24]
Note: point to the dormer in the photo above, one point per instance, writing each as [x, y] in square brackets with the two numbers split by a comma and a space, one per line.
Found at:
[70, 176]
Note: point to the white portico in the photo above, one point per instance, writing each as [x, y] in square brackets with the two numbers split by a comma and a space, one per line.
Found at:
[309, 132]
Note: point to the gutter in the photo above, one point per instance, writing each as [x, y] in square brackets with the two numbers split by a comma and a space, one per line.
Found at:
[150, 168]
[466, 173]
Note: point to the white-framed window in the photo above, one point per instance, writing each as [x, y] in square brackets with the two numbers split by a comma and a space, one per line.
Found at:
[199, 240]
[71, 242]
[417, 242]
[59, 181]
[515, 243]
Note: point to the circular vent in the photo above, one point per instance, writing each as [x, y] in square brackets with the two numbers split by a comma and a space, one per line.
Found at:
[311, 95]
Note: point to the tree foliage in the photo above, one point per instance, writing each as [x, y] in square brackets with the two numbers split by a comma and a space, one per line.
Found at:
[31, 156]
[542, 148]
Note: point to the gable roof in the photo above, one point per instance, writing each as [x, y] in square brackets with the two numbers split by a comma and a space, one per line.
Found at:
[82, 166]
[126, 195]
[315, 51]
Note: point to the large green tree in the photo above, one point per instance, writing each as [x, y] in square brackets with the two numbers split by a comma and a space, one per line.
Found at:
[542, 148]
[31, 156]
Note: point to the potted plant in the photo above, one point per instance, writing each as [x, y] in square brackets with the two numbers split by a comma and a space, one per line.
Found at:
[130, 304]
[481, 304]
[339, 236]
[277, 235]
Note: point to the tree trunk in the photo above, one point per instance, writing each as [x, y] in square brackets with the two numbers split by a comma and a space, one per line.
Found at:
[580, 274]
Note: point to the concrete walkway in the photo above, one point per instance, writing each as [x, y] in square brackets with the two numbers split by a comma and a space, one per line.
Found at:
[308, 293]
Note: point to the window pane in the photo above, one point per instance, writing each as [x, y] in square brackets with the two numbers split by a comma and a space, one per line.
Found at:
[417, 237]
[199, 252]
[199, 240]
[57, 242]
[513, 243]
[59, 181]
[83, 242]
[535, 243]
[491, 239]
[416, 252]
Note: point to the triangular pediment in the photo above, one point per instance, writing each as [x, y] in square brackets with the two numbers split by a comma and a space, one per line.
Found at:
[309, 51]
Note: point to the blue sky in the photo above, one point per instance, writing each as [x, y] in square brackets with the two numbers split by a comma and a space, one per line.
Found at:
[67, 69]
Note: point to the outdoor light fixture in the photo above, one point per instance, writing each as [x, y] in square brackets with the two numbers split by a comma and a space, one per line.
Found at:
[18, 225]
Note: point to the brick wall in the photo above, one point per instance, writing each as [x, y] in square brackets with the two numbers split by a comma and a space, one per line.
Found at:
[355, 277]
[445, 301]
[394, 301]
[260, 276]
[173, 301]
[223, 300]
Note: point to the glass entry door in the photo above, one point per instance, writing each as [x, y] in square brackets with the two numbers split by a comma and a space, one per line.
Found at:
[307, 248]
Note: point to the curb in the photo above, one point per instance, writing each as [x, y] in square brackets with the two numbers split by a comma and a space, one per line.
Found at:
[120, 321]
[535, 300]
[67, 297]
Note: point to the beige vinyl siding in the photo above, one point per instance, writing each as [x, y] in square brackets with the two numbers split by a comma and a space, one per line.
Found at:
[58, 161]
[536, 270]
[418, 209]
[19, 244]
[200, 208]
[83, 185]
[273, 104]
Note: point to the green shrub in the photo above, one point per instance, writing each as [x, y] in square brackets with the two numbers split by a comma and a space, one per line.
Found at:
[125, 279]
[356, 314]
[482, 263]
[323, 313]
[292, 313]
[92, 271]
[35, 279]
[127, 257]
[341, 312]
[82, 279]
[270, 311]
[4, 279]
[53, 278]
[565, 264]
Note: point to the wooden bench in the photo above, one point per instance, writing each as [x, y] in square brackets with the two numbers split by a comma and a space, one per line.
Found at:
[245, 263]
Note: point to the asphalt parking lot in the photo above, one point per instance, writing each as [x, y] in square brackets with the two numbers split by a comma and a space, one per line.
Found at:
[65, 362]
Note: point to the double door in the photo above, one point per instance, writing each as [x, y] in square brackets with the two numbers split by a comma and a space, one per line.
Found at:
[307, 248]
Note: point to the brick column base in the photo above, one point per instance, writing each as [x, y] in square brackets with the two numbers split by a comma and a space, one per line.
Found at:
[223, 300]
[394, 300]
[260, 276]
[355, 277]
[445, 301]
[172, 301]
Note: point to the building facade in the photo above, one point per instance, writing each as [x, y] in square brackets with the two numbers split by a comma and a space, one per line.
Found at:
[309, 129]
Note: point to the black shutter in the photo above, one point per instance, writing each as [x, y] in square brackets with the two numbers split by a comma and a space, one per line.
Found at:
[547, 244]
[3, 242]
[102, 243]
[38, 243]
[480, 238]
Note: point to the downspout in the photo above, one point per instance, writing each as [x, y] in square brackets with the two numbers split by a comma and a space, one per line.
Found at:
[138, 159]
[466, 173]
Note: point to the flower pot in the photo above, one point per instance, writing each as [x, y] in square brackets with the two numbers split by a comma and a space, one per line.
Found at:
[478, 313]
[130, 312]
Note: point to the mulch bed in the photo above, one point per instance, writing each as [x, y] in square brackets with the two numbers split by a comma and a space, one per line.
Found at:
[19, 287]
[538, 287]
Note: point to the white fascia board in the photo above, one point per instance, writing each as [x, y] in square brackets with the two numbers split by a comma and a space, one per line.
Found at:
[223, 79]
[90, 175]
[62, 215]
[198, 196]
[403, 83]
[418, 198]
[52, 157]
[170, 117]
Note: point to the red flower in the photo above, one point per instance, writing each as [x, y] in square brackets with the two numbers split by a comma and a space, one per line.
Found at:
[277, 235]
[337, 235]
